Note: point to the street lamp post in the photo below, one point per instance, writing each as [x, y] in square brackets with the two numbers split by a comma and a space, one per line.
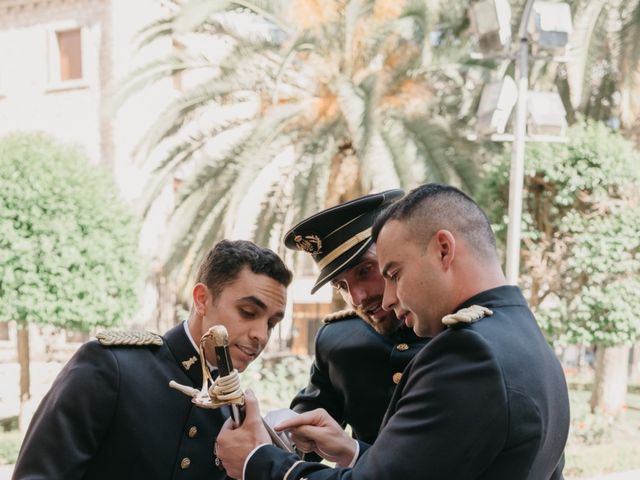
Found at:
[550, 29]
[516, 179]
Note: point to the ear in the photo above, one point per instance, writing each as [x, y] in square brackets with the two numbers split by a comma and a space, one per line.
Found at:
[446, 247]
[201, 296]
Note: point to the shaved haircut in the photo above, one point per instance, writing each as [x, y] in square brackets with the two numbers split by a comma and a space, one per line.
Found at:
[432, 207]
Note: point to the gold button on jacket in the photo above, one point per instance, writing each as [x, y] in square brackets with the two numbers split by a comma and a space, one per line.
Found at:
[396, 377]
[185, 463]
[403, 347]
[193, 431]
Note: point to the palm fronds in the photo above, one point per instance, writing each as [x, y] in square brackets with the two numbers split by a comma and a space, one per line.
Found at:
[320, 81]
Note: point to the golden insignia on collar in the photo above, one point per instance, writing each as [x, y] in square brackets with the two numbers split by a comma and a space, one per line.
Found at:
[187, 364]
[309, 243]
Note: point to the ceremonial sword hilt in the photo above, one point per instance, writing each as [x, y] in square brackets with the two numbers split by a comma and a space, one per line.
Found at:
[225, 390]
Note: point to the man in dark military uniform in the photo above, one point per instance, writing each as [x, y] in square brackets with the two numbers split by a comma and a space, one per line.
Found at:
[110, 413]
[357, 363]
[486, 398]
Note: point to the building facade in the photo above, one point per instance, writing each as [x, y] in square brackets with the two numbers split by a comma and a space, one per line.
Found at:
[61, 63]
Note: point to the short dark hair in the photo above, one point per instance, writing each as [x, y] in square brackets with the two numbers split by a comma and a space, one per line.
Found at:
[227, 258]
[434, 206]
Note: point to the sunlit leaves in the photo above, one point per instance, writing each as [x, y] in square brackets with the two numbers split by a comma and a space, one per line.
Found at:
[68, 246]
[581, 234]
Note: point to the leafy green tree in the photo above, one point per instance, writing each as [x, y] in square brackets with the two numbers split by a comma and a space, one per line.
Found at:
[68, 245]
[348, 88]
[581, 243]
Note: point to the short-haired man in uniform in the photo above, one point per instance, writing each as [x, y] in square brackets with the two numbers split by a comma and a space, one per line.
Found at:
[357, 363]
[486, 398]
[110, 413]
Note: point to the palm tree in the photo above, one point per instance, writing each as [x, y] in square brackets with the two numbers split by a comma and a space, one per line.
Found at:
[332, 97]
[602, 73]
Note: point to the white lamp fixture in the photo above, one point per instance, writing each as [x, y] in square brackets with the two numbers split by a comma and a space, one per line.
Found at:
[547, 115]
[496, 103]
[491, 21]
[550, 27]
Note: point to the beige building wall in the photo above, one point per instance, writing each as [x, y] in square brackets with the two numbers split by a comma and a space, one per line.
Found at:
[80, 111]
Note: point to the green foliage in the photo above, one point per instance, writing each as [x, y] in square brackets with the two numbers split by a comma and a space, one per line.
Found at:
[591, 460]
[588, 428]
[598, 444]
[581, 234]
[68, 254]
[9, 446]
[275, 381]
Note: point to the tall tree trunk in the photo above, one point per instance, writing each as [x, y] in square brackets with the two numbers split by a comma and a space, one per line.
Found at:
[23, 361]
[344, 177]
[165, 309]
[634, 373]
[610, 384]
[25, 381]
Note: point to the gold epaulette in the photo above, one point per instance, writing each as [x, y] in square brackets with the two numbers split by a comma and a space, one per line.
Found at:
[340, 315]
[467, 315]
[128, 337]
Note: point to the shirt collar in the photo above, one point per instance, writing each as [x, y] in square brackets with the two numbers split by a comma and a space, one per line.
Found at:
[195, 347]
[505, 295]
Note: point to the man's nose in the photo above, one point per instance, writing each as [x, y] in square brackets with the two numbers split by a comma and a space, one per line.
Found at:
[389, 299]
[358, 295]
[260, 332]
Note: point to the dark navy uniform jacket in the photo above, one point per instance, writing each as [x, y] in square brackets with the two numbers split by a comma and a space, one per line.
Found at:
[355, 372]
[481, 401]
[111, 414]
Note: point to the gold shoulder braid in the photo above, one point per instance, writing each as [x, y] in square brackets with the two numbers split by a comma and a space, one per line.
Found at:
[340, 315]
[132, 337]
[467, 315]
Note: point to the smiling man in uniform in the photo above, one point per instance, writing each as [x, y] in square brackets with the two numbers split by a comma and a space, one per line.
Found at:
[486, 398]
[360, 354]
[110, 413]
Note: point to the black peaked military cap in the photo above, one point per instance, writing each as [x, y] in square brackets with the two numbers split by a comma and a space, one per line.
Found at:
[337, 237]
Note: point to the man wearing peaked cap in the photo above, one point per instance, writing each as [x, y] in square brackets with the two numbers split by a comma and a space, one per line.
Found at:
[337, 237]
[486, 398]
[357, 363]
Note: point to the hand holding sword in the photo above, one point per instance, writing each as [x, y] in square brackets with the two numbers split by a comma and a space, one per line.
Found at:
[225, 390]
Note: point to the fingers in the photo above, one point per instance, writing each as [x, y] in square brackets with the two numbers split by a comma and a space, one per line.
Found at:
[252, 407]
[305, 446]
[314, 417]
[228, 425]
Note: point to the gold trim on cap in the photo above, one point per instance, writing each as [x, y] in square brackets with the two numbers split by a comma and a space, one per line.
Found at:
[331, 274]
[336, 252]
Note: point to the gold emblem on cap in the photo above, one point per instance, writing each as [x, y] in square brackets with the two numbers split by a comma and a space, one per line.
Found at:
[309, 243]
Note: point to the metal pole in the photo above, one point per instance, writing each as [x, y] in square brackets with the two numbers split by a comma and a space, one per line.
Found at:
[516, 179]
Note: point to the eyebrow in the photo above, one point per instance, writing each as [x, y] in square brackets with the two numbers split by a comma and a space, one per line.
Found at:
[255, 300]
[260, 304]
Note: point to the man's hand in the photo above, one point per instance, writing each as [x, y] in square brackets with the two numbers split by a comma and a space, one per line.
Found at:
[234, 444]
[316, 431]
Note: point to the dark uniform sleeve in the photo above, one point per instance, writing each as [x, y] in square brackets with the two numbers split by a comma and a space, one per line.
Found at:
[71, 421]
[449, 421]
[320, 392]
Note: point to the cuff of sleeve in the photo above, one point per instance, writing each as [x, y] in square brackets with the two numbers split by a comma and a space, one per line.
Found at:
[246, 460]
[355, 456]
[268, 462]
